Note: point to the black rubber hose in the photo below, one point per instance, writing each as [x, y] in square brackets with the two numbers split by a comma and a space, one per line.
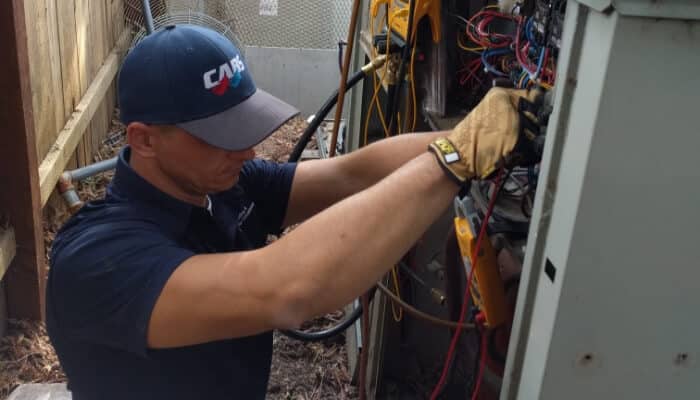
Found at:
[294, 157]
[320, 116]
[328, 333]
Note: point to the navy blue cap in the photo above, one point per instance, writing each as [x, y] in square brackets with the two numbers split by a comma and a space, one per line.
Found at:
[196, 79]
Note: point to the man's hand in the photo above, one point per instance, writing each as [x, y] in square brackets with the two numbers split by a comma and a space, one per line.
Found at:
[502, 129]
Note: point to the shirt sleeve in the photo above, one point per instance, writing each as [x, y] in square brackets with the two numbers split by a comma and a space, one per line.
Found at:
[269, 185]
[105, 282]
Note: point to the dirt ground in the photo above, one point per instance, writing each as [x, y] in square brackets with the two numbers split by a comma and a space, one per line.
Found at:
[300, 371]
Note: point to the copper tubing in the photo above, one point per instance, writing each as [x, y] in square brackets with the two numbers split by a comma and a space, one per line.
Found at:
[420, 314]
[344, 76]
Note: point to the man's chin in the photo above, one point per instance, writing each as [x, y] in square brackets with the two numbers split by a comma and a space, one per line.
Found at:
[224, 186]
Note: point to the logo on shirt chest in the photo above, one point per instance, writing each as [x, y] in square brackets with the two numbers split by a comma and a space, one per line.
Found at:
[245, 212]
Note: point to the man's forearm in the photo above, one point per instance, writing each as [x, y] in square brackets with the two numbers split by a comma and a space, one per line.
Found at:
[320, 183]
[372, 163]
[343, 250]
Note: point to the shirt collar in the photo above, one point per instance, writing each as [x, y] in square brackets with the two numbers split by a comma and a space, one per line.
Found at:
[128, 186]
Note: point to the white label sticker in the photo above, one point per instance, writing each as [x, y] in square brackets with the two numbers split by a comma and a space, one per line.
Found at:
[268, 7]
[452, 157]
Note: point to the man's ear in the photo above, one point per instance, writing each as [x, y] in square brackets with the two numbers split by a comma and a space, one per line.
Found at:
[140, 138]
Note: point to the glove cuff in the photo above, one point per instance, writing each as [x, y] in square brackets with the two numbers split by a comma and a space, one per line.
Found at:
[450, 160]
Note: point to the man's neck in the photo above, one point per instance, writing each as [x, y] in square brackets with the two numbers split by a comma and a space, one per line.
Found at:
[164, 183]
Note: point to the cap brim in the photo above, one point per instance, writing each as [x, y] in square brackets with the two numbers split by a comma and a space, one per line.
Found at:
[243, 125]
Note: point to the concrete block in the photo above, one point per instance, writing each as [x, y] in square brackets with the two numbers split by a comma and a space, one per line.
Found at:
[41, 391]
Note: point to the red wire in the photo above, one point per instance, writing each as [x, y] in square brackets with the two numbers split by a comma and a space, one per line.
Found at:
[484, 38]
[525, 64]
[547, 73]
[465, 301]
[475, 67]
[481, 30]
[551, 72]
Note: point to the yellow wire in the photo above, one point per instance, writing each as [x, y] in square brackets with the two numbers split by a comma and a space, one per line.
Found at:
[520, 82]
[398, 315]
[465, 48]
[414, 99]
[382, 119]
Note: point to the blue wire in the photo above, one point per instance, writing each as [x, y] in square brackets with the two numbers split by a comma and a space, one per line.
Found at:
[528, 31]
[526, 80]
[540, 61]
[534, 47]
[495, 52]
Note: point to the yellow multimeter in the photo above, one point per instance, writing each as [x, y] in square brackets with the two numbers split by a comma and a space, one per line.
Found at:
[487, 289]
[398, 16]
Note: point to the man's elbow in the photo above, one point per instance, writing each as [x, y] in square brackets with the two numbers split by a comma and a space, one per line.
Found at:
[294, 305]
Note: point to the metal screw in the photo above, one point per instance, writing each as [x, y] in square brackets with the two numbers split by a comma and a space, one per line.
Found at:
[681, 359]
[586, 359]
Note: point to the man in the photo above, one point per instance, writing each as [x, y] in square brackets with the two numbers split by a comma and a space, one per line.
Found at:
[165, 289]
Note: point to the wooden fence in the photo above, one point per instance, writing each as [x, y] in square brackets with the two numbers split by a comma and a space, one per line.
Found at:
[58, 73]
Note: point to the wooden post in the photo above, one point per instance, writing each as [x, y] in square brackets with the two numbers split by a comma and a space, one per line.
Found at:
[19, 177]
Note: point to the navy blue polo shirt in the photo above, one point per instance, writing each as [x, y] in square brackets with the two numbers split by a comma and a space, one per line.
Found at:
[109, 264]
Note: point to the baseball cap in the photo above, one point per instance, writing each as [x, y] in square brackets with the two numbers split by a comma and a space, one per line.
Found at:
[195, 78]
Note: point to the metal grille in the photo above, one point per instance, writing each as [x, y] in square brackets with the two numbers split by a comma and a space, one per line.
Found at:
[195, 12]
[308, 24]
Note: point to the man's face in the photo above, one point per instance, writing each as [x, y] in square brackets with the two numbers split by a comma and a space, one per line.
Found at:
[197, 167]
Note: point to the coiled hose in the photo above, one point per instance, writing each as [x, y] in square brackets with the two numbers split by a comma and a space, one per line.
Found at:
[294, 157]
[326, 333]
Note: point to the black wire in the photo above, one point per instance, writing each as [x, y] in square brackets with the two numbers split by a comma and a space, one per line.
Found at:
[523, 206]
[493, 351]
[405, 56]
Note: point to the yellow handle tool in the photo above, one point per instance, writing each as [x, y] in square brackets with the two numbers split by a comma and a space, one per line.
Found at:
[399, 17]
[486, 287]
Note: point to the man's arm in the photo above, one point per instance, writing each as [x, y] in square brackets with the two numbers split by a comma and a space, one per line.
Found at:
[328, 260]
[317, 268]
[319, 183]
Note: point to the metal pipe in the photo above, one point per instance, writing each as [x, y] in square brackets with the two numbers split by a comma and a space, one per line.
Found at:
[65, 182]
[92, 169]
[436, 293]
[67, 190]
[147, 16]
[420, 314]
[344, 76]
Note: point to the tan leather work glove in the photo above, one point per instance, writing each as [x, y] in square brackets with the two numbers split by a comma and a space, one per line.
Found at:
[484, 140]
